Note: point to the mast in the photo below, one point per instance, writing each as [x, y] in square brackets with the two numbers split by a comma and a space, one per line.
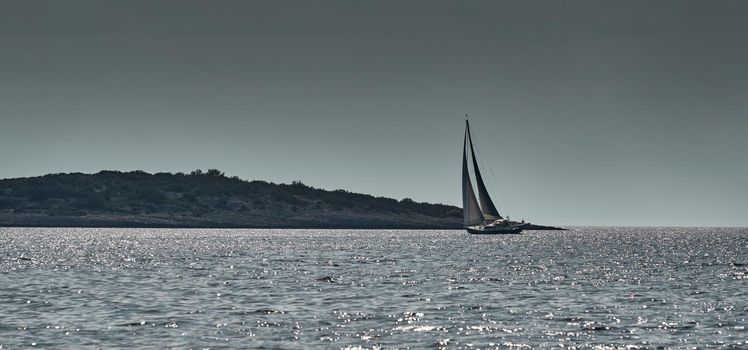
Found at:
[489, 209]
[471, 212]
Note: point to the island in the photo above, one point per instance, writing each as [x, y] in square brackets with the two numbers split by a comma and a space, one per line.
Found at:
[204, 199]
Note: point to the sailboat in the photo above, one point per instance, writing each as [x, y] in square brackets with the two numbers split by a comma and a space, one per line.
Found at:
[479, 213]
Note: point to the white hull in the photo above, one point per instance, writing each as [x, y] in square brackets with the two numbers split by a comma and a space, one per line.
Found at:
[493, 230]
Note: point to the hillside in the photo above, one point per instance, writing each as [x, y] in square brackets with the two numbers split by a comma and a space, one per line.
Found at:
[203, 199]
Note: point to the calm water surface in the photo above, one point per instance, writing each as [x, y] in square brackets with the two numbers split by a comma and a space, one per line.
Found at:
[602, 288]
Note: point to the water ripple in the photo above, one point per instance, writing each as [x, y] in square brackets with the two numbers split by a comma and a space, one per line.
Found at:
[587, 288]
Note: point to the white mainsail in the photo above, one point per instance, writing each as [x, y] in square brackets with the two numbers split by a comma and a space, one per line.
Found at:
[489, 209]
[471, 211]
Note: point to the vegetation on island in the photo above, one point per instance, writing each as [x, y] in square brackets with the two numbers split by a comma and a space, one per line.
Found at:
[203, 199]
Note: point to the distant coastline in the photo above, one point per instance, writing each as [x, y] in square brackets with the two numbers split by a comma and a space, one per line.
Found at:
[204, 200]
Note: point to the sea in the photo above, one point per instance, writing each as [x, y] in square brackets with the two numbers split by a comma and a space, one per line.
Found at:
[585, 288]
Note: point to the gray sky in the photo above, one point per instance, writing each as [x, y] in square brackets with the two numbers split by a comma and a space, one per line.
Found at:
[585, 112]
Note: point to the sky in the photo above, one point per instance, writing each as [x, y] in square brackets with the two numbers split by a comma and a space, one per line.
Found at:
[583, 112]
